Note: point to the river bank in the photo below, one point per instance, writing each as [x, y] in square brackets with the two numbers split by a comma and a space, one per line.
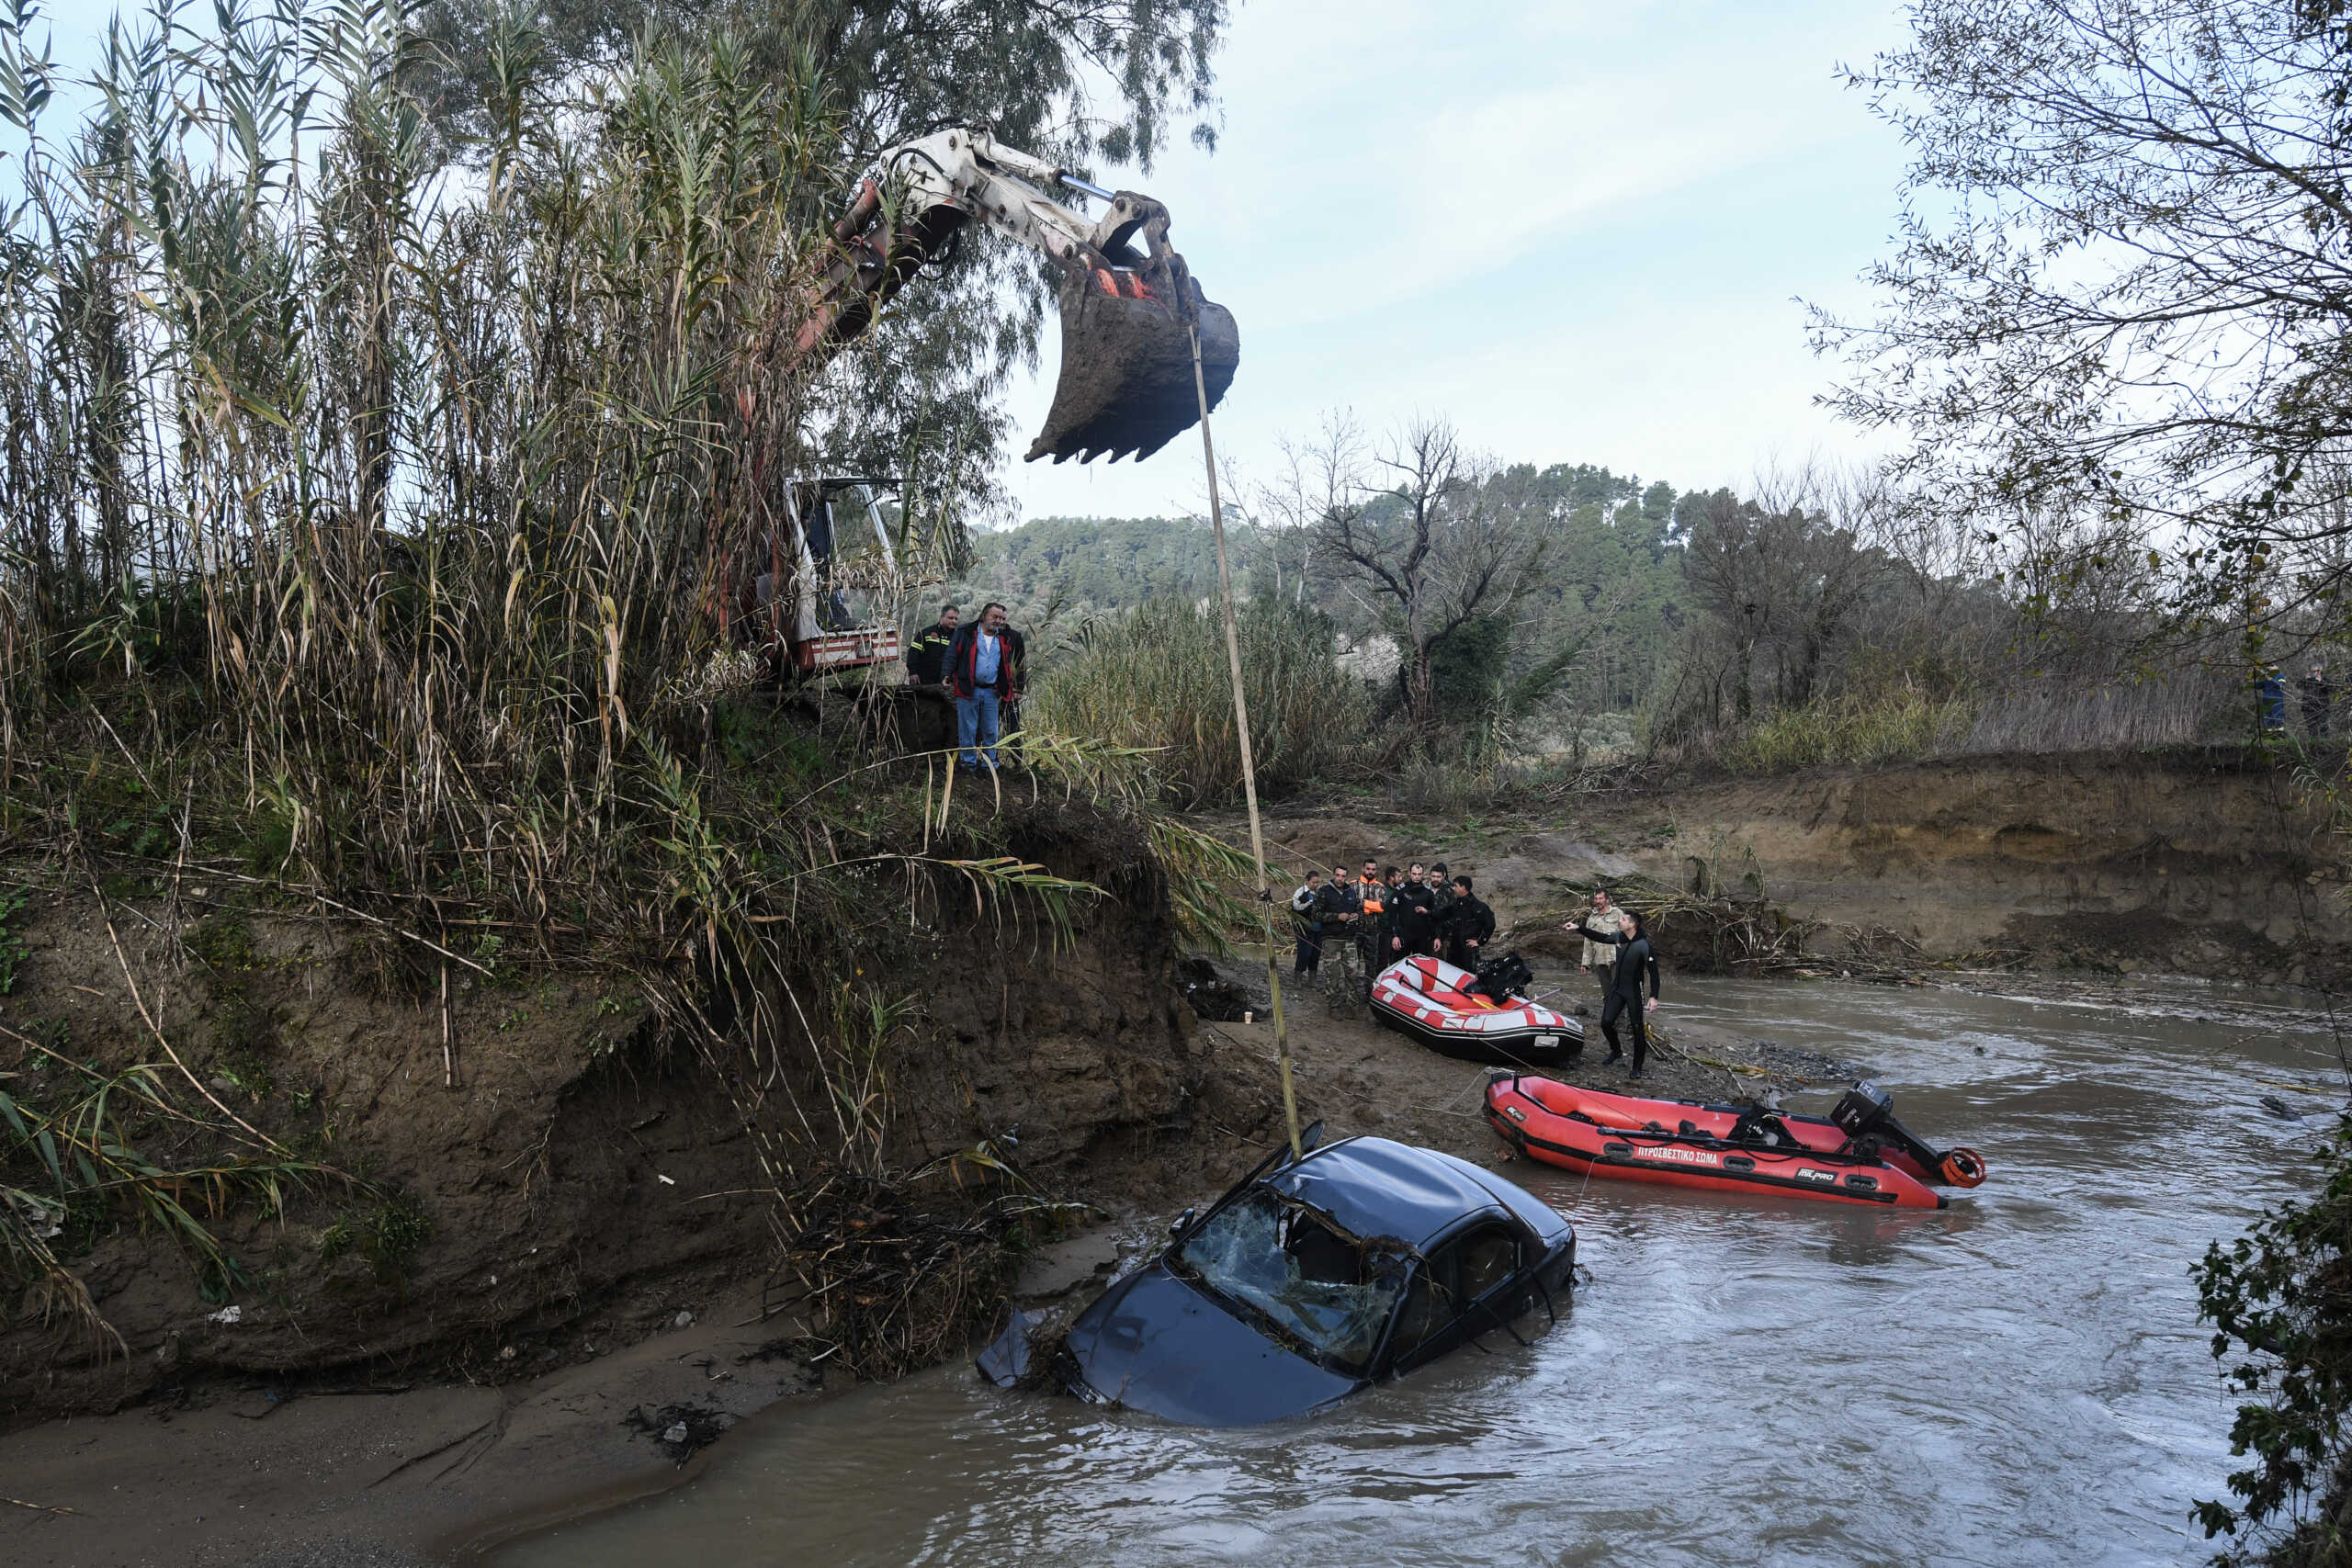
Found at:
[2217, 865]
[583, 1192]
[236, 1470]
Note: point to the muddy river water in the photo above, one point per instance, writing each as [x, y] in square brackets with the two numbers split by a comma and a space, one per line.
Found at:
[2018, 1378]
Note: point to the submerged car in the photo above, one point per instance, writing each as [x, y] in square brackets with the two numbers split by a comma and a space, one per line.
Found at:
[1316, 1277]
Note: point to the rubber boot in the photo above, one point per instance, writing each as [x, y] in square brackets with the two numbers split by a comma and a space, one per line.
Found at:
[1616, 1048]
[1640, 1046]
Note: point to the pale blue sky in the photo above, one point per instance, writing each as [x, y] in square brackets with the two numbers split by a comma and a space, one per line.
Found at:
[1575, 227]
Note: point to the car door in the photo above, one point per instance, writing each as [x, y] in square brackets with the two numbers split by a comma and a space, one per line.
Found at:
[1460, 1290]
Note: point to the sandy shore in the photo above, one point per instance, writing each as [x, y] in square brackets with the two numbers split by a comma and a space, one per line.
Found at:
[379, 1478]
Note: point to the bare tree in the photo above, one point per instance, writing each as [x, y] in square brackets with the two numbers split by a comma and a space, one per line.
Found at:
[1317, 478]
[1786, 577]
[1421, 534]
[2128, 284]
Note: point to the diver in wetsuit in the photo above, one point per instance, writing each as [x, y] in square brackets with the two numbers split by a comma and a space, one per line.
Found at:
[1635, 958]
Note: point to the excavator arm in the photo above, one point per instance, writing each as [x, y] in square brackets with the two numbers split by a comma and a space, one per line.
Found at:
[1129, 307]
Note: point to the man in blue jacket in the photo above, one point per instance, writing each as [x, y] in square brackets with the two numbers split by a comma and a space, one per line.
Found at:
[984, 670]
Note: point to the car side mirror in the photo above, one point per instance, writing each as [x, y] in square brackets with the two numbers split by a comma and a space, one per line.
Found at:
[1181, 1222]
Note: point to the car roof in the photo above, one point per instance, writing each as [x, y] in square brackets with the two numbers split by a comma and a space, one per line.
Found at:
[1374, 1187]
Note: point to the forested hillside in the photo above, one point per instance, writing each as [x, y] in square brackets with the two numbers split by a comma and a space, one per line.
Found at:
[1612, 567]
[1510, 613]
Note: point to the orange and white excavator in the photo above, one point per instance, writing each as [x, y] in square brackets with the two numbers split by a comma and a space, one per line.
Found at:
[1133, 324]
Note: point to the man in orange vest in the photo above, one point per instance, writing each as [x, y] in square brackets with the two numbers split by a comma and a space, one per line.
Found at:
[1371, 901]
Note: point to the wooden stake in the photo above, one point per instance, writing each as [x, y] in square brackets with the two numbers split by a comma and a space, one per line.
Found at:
[1248, 765]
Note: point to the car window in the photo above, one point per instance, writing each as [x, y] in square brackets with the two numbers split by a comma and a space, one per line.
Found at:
[1489, 1258]
[1455, 1276]
[1310, 1281]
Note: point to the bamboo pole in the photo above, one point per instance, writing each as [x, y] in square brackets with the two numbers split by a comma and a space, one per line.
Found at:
[1248, 764]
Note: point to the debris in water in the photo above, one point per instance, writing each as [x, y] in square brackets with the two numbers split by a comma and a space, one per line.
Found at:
[684, 1320]
[227, 1315]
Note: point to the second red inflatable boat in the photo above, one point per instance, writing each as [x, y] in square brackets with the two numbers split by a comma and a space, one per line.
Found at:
[1858, 1154]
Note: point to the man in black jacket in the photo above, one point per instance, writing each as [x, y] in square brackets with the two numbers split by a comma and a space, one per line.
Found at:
[1337, 906]
[1412, 918]
[984, 670]
[1307, 907]
[1441, 893]
[2318, 701]
[1468, 925]
[927, 653]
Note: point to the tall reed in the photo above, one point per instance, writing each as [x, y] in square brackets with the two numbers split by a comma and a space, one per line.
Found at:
[1156, 677]
[373, 522]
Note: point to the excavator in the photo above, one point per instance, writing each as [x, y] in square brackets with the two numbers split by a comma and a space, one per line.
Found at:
[1133, 324]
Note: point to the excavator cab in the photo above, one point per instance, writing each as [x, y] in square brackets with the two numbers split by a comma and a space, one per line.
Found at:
[828, 581]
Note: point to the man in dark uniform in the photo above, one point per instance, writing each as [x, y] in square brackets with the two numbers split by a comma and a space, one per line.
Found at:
[1307, 907]
[1412, 918]
[1468, 925]
[927, 652]
[1441, 893]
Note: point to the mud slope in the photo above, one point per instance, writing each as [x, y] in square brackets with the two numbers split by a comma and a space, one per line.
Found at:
[2206, 865]
[2203, 866]
[577, 1187]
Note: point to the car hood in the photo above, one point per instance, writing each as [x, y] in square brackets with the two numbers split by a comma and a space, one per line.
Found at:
[1155, 1344]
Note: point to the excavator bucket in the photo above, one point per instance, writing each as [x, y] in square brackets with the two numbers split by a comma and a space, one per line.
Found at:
[1126, 383]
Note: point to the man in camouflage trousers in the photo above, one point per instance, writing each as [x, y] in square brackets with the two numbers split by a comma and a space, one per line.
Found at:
[1342, 908]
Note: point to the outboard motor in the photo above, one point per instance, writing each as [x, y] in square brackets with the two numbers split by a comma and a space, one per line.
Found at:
[1867, 1112]
[1504, 977]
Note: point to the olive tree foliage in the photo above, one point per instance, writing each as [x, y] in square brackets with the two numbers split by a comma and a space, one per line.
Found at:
[1087, 83]
[1837, 588]
[2121, 287]
[2279, 1299]
[1783, 587]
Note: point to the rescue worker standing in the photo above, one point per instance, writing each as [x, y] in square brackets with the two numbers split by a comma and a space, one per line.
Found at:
[1308, 922]
[1412, 918]
[927, 653]
[2318, 701]
[1600, 929]
[1343, 981]
[1441, 893]
[1372, 918]
[1468, 925]
[984, 669]
[1635, 958]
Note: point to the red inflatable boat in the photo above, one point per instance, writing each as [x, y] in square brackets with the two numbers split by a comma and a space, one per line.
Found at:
[1477, 1018]
[1858, 1154]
